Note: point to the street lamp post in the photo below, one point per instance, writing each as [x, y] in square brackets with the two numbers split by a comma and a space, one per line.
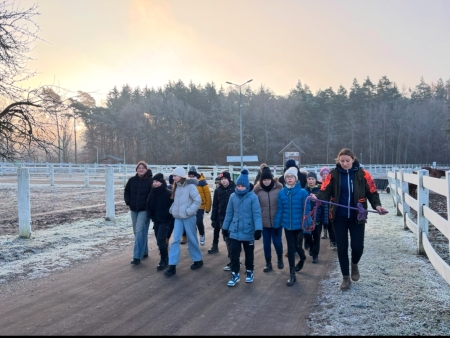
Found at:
[240, 116]
[97, 154]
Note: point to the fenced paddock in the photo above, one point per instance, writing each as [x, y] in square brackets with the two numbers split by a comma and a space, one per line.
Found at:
[398, 183]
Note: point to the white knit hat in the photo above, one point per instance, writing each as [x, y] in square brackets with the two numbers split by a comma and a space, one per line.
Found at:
[291, 171]
[179, 171]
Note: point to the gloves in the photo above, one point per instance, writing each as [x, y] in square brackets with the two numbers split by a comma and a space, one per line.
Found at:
[258, 234]
[226, 233]
[213, 224]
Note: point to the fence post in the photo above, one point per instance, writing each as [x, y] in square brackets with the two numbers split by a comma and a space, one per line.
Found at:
[70, 170]
[109, 190]
[23, 199]
[423, 197]
[447, 180]
[124, 175]
[86, 175]
[405, 207]
[52, 175]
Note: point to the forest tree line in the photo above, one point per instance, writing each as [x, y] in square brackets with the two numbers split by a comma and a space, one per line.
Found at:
[191, 123]
[182, 123]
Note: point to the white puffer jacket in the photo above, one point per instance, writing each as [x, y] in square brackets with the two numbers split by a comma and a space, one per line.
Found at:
[187, 200]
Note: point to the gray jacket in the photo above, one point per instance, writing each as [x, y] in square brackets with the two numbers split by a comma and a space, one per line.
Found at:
[187, 200]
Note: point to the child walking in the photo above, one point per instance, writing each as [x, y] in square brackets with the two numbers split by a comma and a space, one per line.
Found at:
[290, 211]
[242, 224]
[186, 201]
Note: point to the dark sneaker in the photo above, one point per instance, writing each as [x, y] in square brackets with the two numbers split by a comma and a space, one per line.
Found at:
[171, 270]
[135, 261]
[196, 265]
[315, 260]
[333, 245]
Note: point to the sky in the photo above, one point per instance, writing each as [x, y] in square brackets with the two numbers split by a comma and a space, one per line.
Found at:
[94, 45]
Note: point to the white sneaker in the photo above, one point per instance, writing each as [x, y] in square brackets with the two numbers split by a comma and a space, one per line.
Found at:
[227, 267]
[202, 240]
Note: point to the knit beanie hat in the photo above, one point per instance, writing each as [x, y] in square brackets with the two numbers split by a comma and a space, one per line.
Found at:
[179, 171]
[217, 179]
[226, 174]
[193, 171]
[291, 171]
[324, 169]
[312, 174]
[289, 164]
[243, 179]
[266, 174]
[160, 178]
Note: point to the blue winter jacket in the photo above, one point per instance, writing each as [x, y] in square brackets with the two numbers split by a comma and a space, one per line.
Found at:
[291, 208]
[243, 216]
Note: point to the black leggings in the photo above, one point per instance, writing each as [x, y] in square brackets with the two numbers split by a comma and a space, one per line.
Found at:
[294, 240]
[235, 253]
[342, 226]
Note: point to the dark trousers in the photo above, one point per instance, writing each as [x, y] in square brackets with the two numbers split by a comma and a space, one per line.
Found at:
[235, 253]
[342, 227]
[294, 240]
[199, 222]
[161, 233]
[313, 239]
[331, 234]
[216, 235]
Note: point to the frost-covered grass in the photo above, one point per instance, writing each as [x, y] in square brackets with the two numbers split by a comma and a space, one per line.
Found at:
[399, 292]
[62, 246]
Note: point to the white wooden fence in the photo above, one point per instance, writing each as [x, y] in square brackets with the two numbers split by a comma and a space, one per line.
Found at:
[398, 183]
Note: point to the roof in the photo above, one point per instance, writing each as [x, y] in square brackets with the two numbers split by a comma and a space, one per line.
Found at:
[291, 144]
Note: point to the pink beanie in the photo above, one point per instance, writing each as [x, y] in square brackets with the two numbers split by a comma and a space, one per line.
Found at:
[323, 170]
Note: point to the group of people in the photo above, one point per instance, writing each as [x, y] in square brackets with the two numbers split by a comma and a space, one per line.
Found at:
[297, 202]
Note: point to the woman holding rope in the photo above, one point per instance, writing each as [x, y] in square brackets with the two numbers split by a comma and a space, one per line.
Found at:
[347, 185]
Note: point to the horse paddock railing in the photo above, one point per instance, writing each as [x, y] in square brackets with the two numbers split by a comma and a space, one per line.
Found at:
[398, 183]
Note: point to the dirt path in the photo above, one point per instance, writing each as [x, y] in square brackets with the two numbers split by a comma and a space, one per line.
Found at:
[109, 296]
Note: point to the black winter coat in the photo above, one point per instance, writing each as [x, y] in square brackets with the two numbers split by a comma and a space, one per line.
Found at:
[220, 202]
[137, 190]
[159, 203]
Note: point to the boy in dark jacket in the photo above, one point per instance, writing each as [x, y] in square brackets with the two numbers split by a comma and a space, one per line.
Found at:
[158, 206]
[219, 208]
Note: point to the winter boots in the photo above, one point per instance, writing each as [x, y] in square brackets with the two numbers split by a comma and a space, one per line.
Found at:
[164, 260]
[299, 265]
[214, 249]
[346, 282]
[355, 272]
[292, 278]
[268, 266]
[171, 270]
[280, 262]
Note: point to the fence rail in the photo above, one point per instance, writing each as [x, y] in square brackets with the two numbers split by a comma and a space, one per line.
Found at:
[398, 183]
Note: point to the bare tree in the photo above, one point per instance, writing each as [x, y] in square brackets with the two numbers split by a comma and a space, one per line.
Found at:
[24, 112]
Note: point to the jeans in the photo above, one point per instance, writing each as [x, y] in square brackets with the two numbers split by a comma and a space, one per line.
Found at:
[140, 229]
[235, 253]
[342, 226]
[179, 227]
[272, 235]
